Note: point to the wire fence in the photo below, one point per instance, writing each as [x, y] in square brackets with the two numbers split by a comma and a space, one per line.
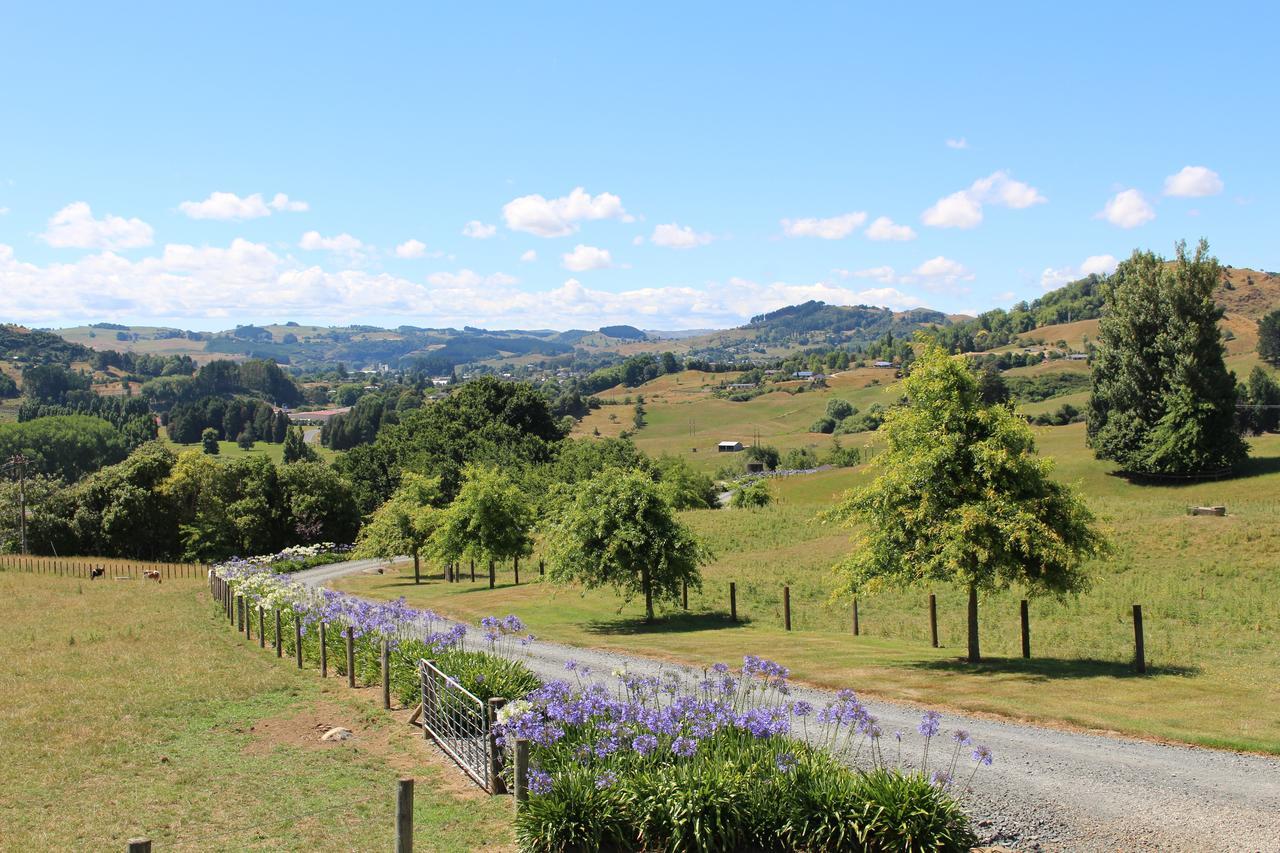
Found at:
[459, 722]
[106, 568]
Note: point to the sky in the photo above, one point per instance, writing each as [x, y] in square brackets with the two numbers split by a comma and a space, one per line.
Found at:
[666, 165]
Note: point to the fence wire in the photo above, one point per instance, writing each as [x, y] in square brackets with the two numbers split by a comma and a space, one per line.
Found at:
[458, 721]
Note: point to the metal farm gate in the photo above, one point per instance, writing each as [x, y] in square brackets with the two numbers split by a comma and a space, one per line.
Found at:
[459, 721]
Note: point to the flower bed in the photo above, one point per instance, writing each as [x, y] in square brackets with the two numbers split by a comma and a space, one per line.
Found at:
[727, 763]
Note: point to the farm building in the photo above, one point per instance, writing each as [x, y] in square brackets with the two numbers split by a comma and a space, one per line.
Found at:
[882, 364]
[729, 446]
[803, 374]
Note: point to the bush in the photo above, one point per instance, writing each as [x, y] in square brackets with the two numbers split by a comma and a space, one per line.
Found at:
[799, 459]
[824, 425]
[753, 495]
[838, 410]
[840, 456]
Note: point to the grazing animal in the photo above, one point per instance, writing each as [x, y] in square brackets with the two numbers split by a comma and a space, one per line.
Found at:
[96, 572]
[153, 575]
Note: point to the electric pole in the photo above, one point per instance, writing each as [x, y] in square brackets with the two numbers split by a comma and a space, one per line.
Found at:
[18, 463]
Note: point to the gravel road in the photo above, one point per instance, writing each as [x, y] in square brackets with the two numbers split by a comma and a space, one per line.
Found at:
[1049, 789]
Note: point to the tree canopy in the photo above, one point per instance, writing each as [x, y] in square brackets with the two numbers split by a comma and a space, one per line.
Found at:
[490, 519]
[619, 532]
[1163, 401]
[405, 523]
[1269, 338]
[963, 497]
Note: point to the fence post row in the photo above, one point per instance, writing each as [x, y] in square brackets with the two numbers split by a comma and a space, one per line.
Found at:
[386, 675]
[522, 771]
[404, 816]
[324, 652]
[351, 657]
[297, 637]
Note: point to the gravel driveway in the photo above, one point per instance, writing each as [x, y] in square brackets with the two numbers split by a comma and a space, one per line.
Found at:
[1049, 789]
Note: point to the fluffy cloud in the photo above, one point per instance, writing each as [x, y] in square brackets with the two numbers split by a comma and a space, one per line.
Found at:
[884, 228]
[477, 230]
[675, 236]
[832, 228]
[344, 243]
[584, 258]
[963, 209]
[958, 144]
[220, 205]
[1127, 209]
[411, 249]
[529, 257]
[74, 227]
[1193, 182]
[465, 279]
[1093, 265]
[558, 217]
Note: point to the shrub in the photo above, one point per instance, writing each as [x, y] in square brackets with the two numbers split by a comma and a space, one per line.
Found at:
[841, 456]
[799, 458]
[753, 495]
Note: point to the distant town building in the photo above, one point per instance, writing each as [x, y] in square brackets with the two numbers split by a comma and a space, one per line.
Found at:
[729, 446]
[882, 364]
[740, 386]
[803, 374]
[1078, 356]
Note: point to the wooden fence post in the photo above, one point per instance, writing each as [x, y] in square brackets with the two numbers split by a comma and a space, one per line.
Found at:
[404, 816]
[351, 657]
[473, 569]
[855, 616]
[386, 675]
[279, 639]
[1139, 652]
[262, 628]
[517, 569]
[786, 607]
[248, 619]
[684, 595]
[297, 636]
[933, 619]
[733, 601]
[324, 652]
[522, 771]
[498, 785]
[1026, 629]
[138, 845]
[492, 575]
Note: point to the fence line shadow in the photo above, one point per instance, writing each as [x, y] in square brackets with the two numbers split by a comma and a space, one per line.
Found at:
[670, 623]
[1047, 669]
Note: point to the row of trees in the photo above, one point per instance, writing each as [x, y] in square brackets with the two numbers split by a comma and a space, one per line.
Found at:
[242, 417]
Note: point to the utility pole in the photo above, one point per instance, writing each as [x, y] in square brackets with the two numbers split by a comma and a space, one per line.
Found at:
[18, 463]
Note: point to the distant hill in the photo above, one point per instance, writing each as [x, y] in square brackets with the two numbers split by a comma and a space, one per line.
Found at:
[624, 333]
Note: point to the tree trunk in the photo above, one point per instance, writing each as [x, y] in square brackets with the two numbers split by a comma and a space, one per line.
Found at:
[975, 654]
[647, 584]
[417, 568]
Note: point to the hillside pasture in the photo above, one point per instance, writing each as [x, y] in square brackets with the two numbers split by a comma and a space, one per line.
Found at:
[1206, 586]
[132, 709]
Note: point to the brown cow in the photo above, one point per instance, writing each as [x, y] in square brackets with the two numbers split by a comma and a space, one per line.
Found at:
[152, 575]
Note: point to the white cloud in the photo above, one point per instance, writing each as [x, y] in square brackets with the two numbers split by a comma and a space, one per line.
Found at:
[963, 209]
[343, 243]
[884, 228]
[1193, 182]
[215, 287]
[832, 228]
[4, 211]
[529, 257]
[477, 230]
[584, 258]
[1053, 277]
[74, 227]
[558, 217]
[943, 273]
[958, 144]
[1127, 209]
[675, 236]
[222, 205]
[411, 249]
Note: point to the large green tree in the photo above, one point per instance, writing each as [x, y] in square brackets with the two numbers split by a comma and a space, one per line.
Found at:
[1163, 401]
[618, 531]
[1269, 338]
[963, 497]
[405, 523]
[490, 519]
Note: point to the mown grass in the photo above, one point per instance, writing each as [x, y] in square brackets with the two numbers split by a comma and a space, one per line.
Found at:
[231, 450]
[1207, 586]
[132, 709]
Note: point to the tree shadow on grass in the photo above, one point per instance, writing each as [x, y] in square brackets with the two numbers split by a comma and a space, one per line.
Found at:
[674, 623]
[1050, 669]
[1254, 466]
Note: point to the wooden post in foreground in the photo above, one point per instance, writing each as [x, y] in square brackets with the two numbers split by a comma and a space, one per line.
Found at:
[733, 601]
[324, 651]
[786, 607]
[522, 771]
[351, 657]
[497, 785]
[933, 619]
[139, 845]
[262, 628]
[1139, 652]
[386, 675]
[279, 639]
[297, 637]
[855, 616]
[1026, 629]
[404, 816]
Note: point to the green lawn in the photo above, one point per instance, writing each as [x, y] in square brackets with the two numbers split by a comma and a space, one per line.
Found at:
[1207, 586]
[132, 709]
[231, 450]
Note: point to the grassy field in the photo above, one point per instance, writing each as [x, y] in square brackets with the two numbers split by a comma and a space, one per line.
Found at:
[132, 709]
[231, 450]
[1207, 586]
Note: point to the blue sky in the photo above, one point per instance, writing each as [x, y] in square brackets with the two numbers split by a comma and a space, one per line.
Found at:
[568, 165]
